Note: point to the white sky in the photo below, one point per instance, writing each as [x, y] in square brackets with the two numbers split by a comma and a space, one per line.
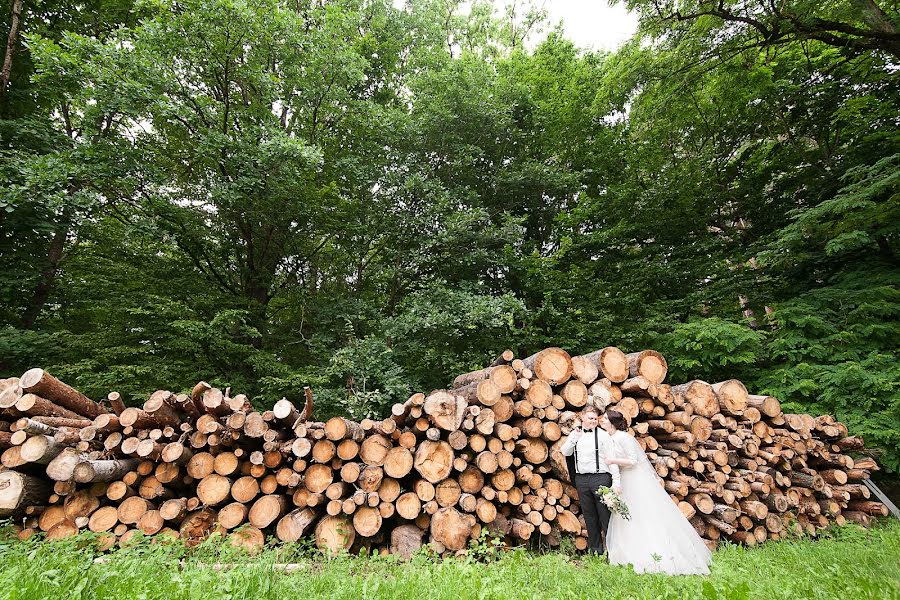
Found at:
[592, 23]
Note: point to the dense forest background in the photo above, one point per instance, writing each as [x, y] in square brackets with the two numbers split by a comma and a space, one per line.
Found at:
[369, 199]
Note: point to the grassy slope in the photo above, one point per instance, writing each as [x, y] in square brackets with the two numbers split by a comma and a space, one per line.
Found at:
[849, 563]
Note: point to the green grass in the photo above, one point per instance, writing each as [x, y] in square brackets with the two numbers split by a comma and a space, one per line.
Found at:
[848, 563]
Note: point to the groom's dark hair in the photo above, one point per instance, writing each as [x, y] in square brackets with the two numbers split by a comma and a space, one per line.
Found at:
[617, 420]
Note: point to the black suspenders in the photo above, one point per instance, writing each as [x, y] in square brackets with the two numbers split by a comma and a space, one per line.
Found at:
[596, 452]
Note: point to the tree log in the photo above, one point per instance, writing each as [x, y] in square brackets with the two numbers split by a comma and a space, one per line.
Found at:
[18, 491]
[553, 365]
[45, 385]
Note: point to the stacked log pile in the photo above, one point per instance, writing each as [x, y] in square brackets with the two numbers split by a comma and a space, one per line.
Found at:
[484, 454]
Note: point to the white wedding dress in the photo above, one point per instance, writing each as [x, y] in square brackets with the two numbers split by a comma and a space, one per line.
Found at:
[657, 538]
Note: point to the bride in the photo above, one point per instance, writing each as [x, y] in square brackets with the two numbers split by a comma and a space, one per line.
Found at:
[657, 538]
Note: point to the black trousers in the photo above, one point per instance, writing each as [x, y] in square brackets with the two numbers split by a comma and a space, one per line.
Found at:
[596, 513]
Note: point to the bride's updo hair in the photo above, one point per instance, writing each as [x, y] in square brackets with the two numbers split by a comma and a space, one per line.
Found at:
[617, 420]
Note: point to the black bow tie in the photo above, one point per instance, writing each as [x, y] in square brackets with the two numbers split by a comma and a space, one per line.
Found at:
[587, 430]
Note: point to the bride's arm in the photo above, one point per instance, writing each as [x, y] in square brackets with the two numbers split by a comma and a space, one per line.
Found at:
[625, 457]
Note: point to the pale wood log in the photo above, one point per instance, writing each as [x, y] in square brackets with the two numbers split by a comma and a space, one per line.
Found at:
[611, 362]
[374, 450]
[61, 422]
[534, 450]
[585, 370]
[103, 519]
[446, 410]
[200, 465]
[176, 453]
[163, 402]
[286, 412]
[502, 376]
[245, 489]
[40, 449]
[132, 509]
[398, 462]
[636, 386]
[318, 477]
[335, 534]
[213, 489]
[649, 364]
[102, 470]
[869, 507]
[539, 394]
[174, 509]
[700, 396]
[18, 490]
[505, 357]
[141, 419]
[367, 521]
[254, 425]
[370, 478]
[484, 422]
[401, 410]
[434, 460]
[32, 427]
[603, 393]
[732, 395]
[295, 524]
[323, 451]
[339, 428]
[266, 510]
[63, 529]
[451, 528]
[347, 449]
[408, 505]
[552, 365]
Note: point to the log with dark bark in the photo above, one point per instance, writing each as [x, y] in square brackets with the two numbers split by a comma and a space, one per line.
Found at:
[45, 385]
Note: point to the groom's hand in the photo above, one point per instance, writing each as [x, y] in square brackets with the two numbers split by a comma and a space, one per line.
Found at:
[576, 433]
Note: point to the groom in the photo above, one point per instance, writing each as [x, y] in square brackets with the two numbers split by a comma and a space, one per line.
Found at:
[591, 445]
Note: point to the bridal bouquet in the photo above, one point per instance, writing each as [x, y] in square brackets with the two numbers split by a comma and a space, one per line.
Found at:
[613, 501]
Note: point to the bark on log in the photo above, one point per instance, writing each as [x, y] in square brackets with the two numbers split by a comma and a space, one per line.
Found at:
[33, 405]
[102, 470]
[45, 385]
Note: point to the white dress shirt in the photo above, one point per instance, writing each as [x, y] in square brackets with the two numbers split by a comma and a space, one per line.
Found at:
[591, 450]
